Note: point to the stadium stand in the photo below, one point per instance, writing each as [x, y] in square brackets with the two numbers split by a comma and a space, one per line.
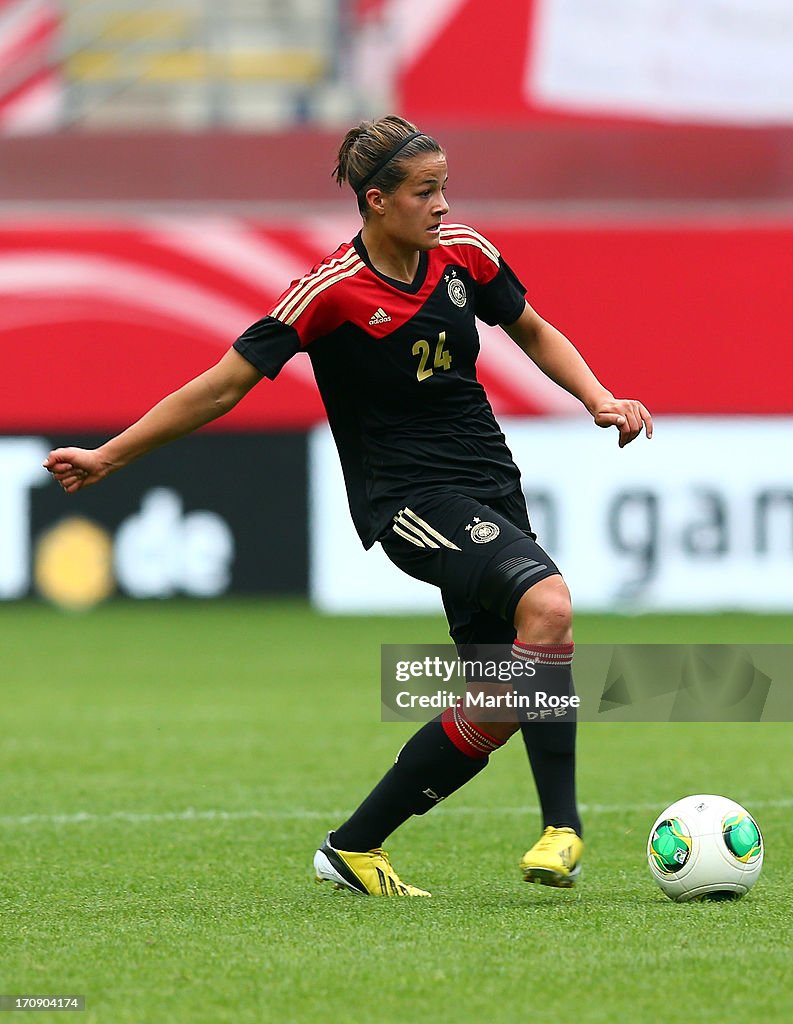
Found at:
[193, 64]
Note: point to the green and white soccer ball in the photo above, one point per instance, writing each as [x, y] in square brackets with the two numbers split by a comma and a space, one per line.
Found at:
[705, 847]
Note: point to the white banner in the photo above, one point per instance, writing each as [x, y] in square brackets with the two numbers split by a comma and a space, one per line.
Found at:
[698, 519]
[712, 60]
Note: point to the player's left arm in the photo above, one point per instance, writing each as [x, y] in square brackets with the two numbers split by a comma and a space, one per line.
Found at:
[561, 361]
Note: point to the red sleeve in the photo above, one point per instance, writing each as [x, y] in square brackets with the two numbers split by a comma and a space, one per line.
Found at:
[308, 304]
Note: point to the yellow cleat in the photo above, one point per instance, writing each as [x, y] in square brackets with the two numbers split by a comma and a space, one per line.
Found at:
[555, 859]
[368, 874]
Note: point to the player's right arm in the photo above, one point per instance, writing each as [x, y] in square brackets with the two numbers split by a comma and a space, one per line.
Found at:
[201, 400]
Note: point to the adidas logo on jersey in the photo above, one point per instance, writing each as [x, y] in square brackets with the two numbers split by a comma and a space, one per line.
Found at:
[379, 317]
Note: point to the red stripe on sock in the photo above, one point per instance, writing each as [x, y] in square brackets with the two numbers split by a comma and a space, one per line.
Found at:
[544, 654]
[471, 739]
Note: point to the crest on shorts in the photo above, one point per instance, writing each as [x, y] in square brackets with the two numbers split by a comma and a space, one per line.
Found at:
[456, 289]
[483, 533]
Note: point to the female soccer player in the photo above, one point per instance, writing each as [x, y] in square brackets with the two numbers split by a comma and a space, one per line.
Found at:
[388, 321]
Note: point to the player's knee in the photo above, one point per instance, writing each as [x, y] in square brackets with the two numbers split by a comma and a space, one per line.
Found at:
[545, 614]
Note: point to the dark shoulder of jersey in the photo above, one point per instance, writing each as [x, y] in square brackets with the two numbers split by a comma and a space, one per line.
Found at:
[395, 364]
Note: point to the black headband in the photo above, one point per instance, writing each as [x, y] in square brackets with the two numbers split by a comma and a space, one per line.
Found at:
[386, 159]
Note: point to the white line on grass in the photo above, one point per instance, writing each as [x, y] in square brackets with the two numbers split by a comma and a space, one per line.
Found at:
[302, 813]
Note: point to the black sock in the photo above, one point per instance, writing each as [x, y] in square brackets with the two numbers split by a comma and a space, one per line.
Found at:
[428, 768]
[551, 744]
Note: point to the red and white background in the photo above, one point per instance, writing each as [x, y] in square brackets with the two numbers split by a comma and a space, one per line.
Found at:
[98, 320]
[523, 60]
[31, 89]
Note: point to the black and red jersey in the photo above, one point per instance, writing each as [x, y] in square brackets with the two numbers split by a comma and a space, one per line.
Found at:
[395, 364]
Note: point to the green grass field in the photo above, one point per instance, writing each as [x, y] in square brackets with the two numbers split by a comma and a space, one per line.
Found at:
[168, 771]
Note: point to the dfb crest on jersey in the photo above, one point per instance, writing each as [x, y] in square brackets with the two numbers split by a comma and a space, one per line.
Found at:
[456, 289]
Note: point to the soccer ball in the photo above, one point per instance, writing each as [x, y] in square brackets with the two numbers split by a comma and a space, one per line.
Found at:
[705, 847]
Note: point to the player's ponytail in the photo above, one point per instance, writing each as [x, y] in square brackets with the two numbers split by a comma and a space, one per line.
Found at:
[373, 154]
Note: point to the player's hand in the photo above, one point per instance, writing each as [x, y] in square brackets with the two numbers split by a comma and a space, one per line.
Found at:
[75, 468]
[627, 415]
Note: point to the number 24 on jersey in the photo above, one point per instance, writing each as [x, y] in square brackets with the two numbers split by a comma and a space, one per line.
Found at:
[441, 361]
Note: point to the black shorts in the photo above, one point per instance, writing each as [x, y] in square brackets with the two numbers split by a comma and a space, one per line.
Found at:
[483, 557]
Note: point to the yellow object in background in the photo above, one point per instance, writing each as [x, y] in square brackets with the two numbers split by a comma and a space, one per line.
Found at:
[73, 564]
